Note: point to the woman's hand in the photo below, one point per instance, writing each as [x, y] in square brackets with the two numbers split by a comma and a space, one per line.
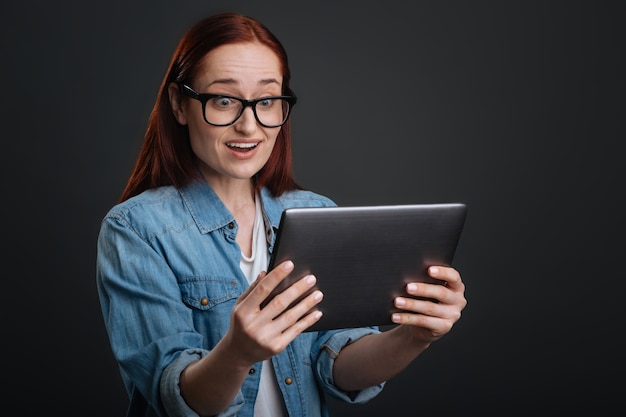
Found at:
[430, 320]
[259, 333]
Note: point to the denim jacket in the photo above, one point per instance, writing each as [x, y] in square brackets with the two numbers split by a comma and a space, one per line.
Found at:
[168, 276]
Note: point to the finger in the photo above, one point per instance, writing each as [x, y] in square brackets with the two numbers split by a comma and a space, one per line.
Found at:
[425, 313]
[302, 324]
[434, 293]
[301, 316]
[251, 287]
[296, 301]
[287, 298]
[421, 306]
[435, 326]
[449, 275]
[421, 320]
[265, 285]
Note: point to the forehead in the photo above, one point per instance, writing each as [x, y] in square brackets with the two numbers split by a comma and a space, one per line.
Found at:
[241, 62]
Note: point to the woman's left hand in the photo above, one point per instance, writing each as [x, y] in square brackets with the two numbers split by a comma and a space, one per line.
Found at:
[429, 320]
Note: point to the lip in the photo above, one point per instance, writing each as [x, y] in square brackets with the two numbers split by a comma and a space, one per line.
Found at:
[243, 149]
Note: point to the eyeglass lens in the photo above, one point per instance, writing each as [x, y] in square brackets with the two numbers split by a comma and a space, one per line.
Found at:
[225, 110]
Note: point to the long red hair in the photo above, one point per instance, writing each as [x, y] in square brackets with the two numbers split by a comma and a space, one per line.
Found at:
[166, 157]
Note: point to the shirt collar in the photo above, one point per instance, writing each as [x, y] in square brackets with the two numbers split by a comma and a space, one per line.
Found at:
[210, 213]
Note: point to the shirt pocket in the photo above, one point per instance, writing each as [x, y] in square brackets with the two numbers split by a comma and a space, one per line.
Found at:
[206, 293]
[211, 301]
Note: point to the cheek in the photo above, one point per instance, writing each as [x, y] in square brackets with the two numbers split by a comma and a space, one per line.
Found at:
[272, 138]
[201, 138]
[270, 145]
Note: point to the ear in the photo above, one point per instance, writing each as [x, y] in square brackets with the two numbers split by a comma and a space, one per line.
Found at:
[176, 101]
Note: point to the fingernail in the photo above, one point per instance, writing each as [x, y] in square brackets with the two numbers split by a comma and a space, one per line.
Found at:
[288, 265]
[434, 270]
[310, 279]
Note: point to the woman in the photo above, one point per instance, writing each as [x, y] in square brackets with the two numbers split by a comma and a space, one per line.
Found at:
[181, 259]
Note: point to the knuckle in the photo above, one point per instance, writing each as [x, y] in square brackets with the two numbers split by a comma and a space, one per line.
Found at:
[430, 309]
[290, 316]
[264, 287]
[279, 302]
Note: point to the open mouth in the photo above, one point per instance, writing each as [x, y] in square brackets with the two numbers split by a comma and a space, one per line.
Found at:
[242, 147]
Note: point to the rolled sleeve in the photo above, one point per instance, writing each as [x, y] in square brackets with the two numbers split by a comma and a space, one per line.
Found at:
[172, 399]
[326, 356]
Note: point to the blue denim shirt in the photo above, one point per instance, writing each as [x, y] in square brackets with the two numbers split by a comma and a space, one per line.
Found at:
[168, 277]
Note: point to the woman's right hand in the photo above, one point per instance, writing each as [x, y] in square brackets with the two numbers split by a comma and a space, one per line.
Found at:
[259, 333]
[254, 335]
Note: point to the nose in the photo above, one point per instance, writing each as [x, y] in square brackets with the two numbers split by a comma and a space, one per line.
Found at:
[246, 122]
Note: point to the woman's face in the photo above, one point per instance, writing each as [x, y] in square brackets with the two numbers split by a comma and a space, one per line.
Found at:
[238, 151]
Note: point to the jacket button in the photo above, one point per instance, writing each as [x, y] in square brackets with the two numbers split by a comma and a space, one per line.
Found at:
[288, 381]
[204, 301]
[231, 225]
[251, 371]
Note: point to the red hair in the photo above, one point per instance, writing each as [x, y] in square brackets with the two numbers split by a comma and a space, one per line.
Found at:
[166, 157]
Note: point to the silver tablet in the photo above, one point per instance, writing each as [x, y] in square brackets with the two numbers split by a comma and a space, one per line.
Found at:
[363, 256]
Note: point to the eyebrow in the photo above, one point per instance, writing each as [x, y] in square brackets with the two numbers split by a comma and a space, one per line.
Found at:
[231, 81]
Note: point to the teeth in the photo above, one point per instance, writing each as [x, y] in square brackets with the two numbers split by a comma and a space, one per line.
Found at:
[241, 145]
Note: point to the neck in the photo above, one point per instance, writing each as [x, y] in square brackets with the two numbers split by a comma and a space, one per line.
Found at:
[236, 194]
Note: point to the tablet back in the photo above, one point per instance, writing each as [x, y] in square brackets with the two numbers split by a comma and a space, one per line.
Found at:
[363, 256]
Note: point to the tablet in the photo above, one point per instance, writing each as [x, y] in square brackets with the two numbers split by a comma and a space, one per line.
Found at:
[363, 256]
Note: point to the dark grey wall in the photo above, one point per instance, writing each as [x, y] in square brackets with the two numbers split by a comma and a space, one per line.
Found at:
[515, 108]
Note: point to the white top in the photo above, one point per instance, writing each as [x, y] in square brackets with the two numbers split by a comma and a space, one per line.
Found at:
[269, 400]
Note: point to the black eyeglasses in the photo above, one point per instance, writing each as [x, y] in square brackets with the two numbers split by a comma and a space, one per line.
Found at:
[224, 110]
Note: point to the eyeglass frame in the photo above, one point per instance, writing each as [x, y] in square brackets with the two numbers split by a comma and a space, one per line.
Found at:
[203, 98]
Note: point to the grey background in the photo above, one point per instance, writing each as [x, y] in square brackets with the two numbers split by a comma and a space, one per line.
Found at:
[513, 107]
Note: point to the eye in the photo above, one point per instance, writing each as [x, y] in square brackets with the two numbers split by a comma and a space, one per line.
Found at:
[266, 103]
[222, 102]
